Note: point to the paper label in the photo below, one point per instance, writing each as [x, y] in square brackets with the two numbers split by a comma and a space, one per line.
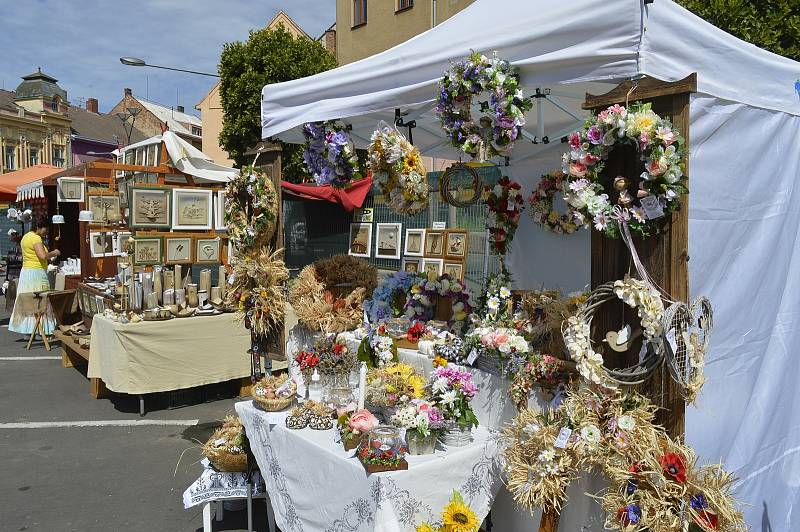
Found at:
[652, 207]
[439, 225]
[672, 341]
[231, 279]
[277, 418]
[563, 437]
[473, 355]
[219, 442]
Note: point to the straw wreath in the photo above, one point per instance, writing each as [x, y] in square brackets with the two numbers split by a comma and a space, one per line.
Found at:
[257, 289]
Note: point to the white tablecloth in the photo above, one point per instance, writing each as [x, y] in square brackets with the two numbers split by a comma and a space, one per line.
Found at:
[213, 485]
[315, 486]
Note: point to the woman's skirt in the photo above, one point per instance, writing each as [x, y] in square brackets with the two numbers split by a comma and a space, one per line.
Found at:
[23, 319]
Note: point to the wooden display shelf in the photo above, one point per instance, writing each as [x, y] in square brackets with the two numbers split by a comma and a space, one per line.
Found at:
[73, 355]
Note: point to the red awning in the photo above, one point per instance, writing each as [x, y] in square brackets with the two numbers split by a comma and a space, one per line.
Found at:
[350, 198]
[10, 181]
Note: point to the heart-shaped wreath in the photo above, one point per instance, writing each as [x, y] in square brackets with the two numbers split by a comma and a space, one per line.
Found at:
[687, 329]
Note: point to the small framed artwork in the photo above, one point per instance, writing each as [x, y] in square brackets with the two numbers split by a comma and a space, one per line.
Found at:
[411, 265]
[363, 215]
[70, 189]
[192, 209]
[454, 270]
[207, 250]
[104, 207]
[219, 211]
[360, 240]
[415, 242]
[387, 241]
[434, 243]
[457, 244]
[150, 207]
[121, 243]
[178, 250]
[432, 266]
[147, 250]
[101, 244]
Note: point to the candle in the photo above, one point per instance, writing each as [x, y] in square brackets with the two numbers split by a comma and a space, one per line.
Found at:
[221, 281]
[205, 281]
[169, 296]
[158, 287]
[180, 296]
[178, 277]
[132, 290]
[362, 385]
[169, 280]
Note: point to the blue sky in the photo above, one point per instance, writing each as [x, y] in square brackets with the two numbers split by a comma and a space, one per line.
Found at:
[79, 42]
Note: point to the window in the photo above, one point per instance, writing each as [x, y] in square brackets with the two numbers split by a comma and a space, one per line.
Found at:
[58, 157]
[359, 13]
[34, 157]
[404, 4]
[197, 131]
[10, 158]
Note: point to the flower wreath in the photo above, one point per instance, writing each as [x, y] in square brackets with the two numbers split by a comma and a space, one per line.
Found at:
[397, 170]
[505, 206]
[385, 302]
[541, 204]
[330, 155]
[490, 135]
[423, 294]
[251, 206]
[257, 289]
[660, 185]
[577, 329]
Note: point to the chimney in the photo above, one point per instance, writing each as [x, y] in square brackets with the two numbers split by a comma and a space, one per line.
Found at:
[179, 108]
[128, 92]
[91, 105]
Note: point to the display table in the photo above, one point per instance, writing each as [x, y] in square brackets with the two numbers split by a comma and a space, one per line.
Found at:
[160, 356]
[314, 484]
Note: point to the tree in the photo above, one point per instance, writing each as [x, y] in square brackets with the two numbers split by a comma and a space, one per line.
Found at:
[770, 24]
[268, 56]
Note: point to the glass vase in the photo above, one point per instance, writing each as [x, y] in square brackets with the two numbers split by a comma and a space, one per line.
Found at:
[419, 444]
[456, 435]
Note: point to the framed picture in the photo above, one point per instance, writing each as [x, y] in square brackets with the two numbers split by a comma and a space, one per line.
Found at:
[104, 207]
[70, 189]
[457, 244]
[387, 241]
[411, 265]
[178, 250]
[150, 207]
[415, 242]
[454, 270]
[207, 250]
[434, 266]
[363, 215]
[360, 240]
[147, 250]
[192, 209]
[101, 244]
[121, 243]
[219, 211]
[434, 243]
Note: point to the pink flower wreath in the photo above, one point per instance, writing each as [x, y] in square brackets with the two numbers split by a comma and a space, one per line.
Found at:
[541, 205]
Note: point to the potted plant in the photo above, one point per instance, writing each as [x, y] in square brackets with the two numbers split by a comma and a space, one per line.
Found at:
[354, 425]
[450, 389]
[422, 422]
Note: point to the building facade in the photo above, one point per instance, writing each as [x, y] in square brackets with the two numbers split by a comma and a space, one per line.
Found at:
[34, 124]
[153, 118]
[367, 27]
[95, 135]
[210, 106]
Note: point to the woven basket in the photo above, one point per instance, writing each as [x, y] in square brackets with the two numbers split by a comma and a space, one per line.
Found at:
[272, 405]
[488, 364]
[222, 460]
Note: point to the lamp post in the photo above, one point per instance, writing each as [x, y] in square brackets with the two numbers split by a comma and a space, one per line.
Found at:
[135, 61]
[131, 113]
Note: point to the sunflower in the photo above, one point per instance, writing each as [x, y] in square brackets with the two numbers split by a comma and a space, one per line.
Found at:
[425, 527]
[458, 517]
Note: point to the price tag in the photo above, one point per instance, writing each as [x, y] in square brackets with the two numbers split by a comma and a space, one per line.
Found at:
[563, 437]
[652, 207]
[231, 279]
[672, 341]
[277, 418]
[220, 441]
[439, 225]
[473, 355]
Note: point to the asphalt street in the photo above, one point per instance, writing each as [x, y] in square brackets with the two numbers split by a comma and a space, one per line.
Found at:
[81, 478]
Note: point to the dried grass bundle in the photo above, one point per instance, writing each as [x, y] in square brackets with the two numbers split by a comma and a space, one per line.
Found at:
[347, 270]
[226, 449]
[257, 290]
[319, 310]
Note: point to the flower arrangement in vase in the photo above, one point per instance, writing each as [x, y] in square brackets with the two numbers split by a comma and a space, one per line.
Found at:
[377, 348]
[450, 389]
[422, 422]
[392, 386]
[353, 426]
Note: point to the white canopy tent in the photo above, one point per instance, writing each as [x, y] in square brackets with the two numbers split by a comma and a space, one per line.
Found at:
[743, 207]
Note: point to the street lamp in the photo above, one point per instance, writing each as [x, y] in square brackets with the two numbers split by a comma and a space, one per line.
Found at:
[135, 61]
[132, 112]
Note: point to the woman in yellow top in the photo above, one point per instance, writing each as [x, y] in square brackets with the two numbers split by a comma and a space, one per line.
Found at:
[33, 278]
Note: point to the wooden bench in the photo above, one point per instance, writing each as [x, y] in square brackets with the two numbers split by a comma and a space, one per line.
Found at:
[73, 355]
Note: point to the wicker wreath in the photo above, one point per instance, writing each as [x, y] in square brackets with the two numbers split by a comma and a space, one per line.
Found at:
[257, 289]
[251, 209]
[227, 447]
[541, 205]
[319, 309]
[688, 331]
[449, 174]
[576, 331]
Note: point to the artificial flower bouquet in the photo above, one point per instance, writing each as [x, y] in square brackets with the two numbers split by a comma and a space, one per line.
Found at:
[457, 516]
[397, 170]
[226, 449]
[330, 155]
[394, 385]
[505, 204]
[377, 348]
[332, 357]
[422, 422]
[502, 347]
[541, 370]
[354, 425]
[450, 389]
[429, 297]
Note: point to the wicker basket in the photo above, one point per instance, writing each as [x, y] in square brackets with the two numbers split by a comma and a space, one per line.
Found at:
[272, 405]
[222, 460]
[488, 364]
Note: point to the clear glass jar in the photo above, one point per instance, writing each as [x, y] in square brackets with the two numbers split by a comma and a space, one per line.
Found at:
[386, 438]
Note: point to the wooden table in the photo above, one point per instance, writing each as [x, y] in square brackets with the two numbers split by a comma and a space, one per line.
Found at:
[73, 355]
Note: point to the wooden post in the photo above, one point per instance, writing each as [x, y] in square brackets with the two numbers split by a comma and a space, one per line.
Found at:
[664, 255]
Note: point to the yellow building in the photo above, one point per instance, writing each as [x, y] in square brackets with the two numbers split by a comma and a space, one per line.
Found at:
[210, 106]
[366, 27]
[34, 124]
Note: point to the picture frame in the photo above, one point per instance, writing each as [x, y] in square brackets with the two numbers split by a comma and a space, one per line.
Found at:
[360, 242]
[104, 207]
[219, 211]
[454, 270]
[456, 244]
[120, 242]
[178, 250]
[147, 250]
[101, 244]
[434, 243]
[411, 265]
[71, 190]
[150, 207]
[207, 250]
[387, 240]
[364, 214]
[414, 246]
[435, 265]
[192, 209]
